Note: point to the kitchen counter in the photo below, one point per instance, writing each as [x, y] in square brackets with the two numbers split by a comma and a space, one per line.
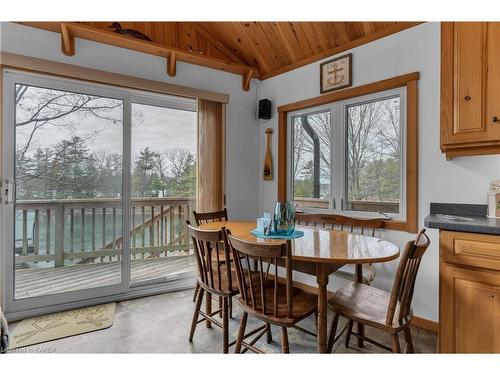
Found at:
[462, 218]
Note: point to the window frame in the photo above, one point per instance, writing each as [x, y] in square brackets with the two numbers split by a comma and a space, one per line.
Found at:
[338, 153]
[406, 83]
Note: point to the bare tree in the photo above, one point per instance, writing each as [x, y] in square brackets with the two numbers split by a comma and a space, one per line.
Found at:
[39, 107]
[305, 145]
[178, 160]
[360, 138]
[389, 128]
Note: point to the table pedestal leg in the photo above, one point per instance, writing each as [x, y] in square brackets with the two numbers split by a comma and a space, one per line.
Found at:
[322, 280]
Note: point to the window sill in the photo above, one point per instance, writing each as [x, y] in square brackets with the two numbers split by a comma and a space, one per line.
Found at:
[403, 226]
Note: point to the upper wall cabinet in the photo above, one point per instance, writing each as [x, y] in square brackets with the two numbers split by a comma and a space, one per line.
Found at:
[470, 88]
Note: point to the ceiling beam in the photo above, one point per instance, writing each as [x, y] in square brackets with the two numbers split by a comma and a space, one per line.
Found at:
[400, 26]
[95, 34]
[67, 41]
[221, 46]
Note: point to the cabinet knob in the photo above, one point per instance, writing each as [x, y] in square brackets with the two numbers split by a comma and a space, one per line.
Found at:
[495, 119]
[467, 97]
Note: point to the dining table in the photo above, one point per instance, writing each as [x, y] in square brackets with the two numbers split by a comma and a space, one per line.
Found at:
[320, 252]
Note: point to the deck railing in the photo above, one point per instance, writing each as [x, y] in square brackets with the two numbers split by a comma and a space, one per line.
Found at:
[90, 230]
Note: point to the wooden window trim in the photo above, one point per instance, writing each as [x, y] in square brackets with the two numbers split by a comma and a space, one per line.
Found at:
[410, 82]
[57, 69]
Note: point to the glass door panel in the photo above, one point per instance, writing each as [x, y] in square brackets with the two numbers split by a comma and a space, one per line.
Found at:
[68, 191]
[163, 191]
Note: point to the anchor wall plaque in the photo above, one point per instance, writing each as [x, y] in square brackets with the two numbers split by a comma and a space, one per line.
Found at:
[336, 73]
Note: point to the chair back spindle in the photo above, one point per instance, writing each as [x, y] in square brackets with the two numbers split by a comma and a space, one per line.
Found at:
[258, 291]
[404, 281]
[339, 222]
[213, 274]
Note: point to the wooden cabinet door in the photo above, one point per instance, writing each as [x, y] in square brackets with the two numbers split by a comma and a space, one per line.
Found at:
[471, 70]
[469, 310]
[493, 80]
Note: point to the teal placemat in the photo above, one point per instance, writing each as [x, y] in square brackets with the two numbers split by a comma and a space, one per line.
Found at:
[295, 234]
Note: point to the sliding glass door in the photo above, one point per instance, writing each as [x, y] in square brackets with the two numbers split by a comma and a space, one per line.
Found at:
[68, 191]
[81, 162]
[163, 172]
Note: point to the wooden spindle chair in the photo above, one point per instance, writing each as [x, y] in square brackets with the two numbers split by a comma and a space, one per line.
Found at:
[390, 312]
[367, 227]
[267, 297]
[211, 217]
[214, 278]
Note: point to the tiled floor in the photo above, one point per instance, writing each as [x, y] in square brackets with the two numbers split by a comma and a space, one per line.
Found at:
[160, 324]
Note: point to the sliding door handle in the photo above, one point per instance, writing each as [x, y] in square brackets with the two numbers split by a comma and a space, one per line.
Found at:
[8, 191]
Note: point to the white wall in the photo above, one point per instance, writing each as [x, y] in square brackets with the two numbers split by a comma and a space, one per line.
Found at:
[462, 180]
[242, 167]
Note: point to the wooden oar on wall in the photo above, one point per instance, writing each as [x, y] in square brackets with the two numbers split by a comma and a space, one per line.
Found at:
[268, 161]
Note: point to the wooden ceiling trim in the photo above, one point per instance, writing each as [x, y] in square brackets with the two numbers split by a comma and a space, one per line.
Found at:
[400, 26]
[265, 49]
[108, 37]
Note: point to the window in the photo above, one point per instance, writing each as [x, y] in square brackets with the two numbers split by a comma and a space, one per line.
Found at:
[311, 159]
[348, 156]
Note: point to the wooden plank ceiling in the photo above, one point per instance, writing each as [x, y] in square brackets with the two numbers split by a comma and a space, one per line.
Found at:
[253, 49]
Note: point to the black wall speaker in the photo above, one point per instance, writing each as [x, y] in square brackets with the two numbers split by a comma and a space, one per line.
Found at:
[264, 109]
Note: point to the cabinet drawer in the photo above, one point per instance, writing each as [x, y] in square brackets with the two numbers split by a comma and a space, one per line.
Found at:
[470, 249]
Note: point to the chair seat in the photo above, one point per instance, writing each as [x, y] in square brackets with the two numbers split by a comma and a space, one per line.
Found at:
[366, 304]
[304, 304]
[224, 289]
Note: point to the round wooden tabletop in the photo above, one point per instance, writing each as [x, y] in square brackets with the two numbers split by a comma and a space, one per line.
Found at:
[321, 245]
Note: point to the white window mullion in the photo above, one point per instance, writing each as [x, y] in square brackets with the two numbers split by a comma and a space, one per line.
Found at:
[337, 154]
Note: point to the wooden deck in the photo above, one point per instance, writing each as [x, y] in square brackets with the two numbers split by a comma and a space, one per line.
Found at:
[38, 282]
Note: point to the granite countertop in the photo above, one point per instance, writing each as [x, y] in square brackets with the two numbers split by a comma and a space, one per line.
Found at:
[478, 222]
